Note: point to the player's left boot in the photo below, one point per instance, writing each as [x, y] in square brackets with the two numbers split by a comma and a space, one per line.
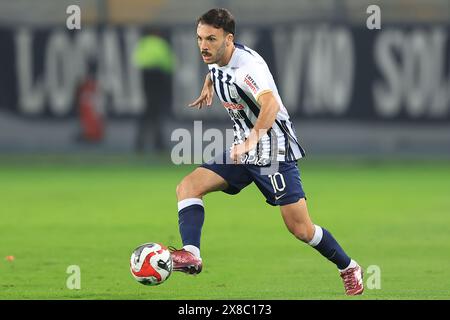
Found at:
[185, 261]
[353, 281]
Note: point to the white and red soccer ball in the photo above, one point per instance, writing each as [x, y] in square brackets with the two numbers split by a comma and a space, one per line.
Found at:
[151, 264]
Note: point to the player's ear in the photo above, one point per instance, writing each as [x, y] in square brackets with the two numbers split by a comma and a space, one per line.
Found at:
[230, 39]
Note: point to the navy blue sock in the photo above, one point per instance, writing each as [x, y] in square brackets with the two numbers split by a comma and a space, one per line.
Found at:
[191, 216]
[325, 243]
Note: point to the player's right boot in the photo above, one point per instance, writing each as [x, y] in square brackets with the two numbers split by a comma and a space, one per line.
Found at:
[185, 261]
[353, 281]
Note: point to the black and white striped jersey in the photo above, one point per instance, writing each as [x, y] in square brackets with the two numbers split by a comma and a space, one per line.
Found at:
[238, 86]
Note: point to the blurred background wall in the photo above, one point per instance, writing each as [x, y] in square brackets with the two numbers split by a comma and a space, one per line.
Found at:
[349, 90]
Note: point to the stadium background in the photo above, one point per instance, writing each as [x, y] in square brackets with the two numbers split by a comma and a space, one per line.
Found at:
[83, 182]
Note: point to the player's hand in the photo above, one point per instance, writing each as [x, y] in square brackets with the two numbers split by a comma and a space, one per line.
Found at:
[205, 98]
[238, 150]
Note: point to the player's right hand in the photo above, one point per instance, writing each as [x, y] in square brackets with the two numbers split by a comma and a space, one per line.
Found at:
[205, 98]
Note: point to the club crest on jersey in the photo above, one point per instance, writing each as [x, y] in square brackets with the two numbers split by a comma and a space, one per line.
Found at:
[233, 92]
[251, 84]
[233, 106]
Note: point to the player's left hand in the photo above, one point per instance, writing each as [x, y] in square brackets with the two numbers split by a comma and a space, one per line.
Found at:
[238, 150]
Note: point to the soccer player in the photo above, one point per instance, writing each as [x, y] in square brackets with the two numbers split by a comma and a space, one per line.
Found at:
[264, 140]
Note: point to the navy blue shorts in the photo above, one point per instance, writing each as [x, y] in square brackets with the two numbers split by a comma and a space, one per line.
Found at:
[280, 183]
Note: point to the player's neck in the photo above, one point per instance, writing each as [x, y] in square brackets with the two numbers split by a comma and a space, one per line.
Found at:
[227, 57]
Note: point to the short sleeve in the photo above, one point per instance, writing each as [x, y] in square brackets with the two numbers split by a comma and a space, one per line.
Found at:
[253, 79]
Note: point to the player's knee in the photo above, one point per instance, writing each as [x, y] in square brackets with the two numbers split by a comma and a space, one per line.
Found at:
[187, 188]
[302, 232]
[183, 190]
[178, 190]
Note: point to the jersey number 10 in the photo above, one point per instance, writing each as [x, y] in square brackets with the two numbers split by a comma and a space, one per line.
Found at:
[277, 184]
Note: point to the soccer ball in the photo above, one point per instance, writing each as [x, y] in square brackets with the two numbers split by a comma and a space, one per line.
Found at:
[151, 264]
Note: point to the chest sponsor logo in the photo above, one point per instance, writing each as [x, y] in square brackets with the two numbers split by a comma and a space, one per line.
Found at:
[233, 106]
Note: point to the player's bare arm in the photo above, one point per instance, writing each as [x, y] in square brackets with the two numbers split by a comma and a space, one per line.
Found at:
[266, 118]
[206, 95]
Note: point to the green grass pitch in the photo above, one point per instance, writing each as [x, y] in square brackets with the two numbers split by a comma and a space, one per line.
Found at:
[392, 214]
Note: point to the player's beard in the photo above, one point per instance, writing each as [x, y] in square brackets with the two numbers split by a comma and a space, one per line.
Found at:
[220, 52]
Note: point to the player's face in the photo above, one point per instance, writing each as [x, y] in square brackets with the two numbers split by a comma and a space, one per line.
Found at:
[212, 43]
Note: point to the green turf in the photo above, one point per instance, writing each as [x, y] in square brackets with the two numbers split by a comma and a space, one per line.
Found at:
[391, 214]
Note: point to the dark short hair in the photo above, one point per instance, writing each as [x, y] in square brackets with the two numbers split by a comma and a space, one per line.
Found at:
[218, 18]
